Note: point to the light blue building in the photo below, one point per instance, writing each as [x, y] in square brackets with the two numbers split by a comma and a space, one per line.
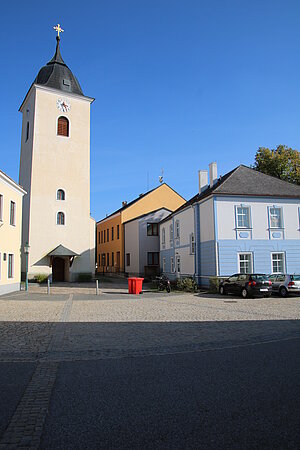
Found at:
[244, 222]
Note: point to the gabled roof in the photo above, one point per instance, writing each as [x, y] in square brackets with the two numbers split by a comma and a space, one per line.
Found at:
[13, 183]
[118, 211]
[60, 250]
[148, 214]
[248, 182]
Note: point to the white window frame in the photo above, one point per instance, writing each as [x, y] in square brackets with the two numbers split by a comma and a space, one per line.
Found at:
[171, 232]
[1, 208]
[61, 224]
[192, 244]
[172, 264]
[283, 262]
[279, 208]
[60, 199]
[237, 215]
[11, 257]
[178, 264]
[163, 235]
[177, 229]
[239, 261]
[164, 265]
[12, 217]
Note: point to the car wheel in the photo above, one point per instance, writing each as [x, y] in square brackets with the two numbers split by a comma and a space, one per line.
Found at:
[283, 292]
[222, 290]
[244, 293]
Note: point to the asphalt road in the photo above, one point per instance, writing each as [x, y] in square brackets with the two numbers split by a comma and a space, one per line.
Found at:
[244, 397]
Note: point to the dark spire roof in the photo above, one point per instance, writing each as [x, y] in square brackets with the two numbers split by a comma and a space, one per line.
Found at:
[56, 74]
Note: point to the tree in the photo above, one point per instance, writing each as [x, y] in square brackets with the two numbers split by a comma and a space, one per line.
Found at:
[283, 163]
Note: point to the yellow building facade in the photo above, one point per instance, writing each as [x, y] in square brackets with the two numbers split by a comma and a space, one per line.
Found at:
[110, 231]
[11, 196]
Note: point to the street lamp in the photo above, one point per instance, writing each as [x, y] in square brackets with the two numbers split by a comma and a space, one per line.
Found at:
[26, 251]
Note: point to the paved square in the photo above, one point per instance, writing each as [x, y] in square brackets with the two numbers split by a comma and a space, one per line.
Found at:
[73, 325]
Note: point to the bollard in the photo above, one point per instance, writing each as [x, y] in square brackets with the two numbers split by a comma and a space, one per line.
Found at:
[97, 290]
[48, 287]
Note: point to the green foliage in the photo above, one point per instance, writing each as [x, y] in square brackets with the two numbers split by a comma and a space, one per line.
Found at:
[282, 162]
[83, 277]
[41, 278]
[187, 285]
[214, 285]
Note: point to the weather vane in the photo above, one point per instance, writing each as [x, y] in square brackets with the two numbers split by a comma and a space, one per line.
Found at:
[58, 29]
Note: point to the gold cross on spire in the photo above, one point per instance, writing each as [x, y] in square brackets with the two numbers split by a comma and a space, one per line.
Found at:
[58, 29]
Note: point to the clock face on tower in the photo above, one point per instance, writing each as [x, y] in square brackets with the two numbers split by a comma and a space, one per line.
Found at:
[63, 105]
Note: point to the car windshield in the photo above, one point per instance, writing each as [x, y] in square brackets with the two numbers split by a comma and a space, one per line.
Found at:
[259, 277]
[295, 277]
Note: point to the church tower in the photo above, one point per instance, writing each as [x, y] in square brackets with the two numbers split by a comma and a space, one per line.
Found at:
[55, 172]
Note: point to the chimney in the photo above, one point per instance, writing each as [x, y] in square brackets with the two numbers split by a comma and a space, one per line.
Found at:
[124, 203]
[213, 173]
[203, 180]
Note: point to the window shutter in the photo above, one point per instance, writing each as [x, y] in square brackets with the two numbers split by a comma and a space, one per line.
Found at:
[63, 126]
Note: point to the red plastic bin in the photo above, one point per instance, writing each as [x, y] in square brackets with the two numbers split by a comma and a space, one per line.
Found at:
[135, 285]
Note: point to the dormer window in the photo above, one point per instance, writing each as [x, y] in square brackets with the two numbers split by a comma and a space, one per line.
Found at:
[60, 194]
[63, 126]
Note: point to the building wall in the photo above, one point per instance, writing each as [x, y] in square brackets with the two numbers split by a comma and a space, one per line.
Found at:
[259, 240]
[10, 236]
[225, 207]
[149, 243]
[178, 247]
[131, 232]
[162, 197]
[50, 162]
[112, 246]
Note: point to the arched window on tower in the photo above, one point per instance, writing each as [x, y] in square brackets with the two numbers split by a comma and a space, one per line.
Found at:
[60, 194]
[63, 126]
[60, 218]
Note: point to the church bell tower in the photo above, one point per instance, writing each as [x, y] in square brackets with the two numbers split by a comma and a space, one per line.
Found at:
[55, 172]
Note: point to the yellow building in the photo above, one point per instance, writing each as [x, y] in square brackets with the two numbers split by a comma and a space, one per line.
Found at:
[11, 196]
[110, 231]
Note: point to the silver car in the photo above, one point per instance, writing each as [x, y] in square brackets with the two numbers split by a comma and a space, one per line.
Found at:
[285, 284]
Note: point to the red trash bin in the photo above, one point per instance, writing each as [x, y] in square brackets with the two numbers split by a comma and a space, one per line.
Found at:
[135, 285]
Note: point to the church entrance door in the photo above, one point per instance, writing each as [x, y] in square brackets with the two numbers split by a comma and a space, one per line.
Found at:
[58, 269]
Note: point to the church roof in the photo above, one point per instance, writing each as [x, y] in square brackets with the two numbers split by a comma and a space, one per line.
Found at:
[57, 75]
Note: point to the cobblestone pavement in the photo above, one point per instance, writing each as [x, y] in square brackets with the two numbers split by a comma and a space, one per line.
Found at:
[75, 325]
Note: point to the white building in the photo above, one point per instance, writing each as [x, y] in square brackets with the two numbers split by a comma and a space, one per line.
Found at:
[55, 171]
[177, 243]
[11, 196]
[141, 237]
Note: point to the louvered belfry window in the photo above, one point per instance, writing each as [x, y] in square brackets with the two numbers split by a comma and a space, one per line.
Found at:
[63, 126]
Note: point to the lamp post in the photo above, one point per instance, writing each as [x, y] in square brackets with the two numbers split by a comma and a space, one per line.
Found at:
[26, 251]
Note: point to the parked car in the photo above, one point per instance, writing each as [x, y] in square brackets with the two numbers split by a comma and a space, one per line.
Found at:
[247, 285]
[285, 284]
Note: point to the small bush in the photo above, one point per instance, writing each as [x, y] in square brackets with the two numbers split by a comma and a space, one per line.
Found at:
[41, 278]
[214, 285]
[84, 276]
[187, 285]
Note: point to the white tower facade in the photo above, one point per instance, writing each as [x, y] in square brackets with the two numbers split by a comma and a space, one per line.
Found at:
[55, 172]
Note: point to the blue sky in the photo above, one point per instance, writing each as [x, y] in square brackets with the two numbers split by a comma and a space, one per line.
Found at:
[178, 84]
